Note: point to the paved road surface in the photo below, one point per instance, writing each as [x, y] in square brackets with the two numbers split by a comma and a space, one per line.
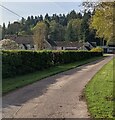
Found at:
[53, 97]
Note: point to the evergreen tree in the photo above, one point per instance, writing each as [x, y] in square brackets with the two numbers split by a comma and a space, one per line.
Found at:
[23, 21]
[79, 15]
[72, 27]
[73, 32]
[56, 32]
[36, 20]
[32, 21]
[63, 20]
[28, 21]
[72, 15]
[13, 28]
[41, 18]
[55, 17]
[3, 31]
[47, 17]
[85, 25]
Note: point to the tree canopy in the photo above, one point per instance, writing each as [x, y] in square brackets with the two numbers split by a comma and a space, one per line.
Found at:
[73, 26]
[40, 32]
[103, 21]
[56, 31]
[73, 32]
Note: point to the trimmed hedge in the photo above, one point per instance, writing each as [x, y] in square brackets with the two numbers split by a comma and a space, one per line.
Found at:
[22, 62]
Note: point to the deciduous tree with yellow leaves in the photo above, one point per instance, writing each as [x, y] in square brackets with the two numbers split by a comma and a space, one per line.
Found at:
[103, 21]
[40, 32]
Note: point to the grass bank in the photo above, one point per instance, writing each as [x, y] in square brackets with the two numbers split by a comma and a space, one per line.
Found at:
[99, 93]
[11, 84]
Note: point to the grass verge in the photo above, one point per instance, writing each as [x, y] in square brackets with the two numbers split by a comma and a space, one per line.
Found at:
[99, 93]
[11, 84]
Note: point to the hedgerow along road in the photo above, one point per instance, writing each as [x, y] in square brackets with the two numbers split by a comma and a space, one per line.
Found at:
[58, 96]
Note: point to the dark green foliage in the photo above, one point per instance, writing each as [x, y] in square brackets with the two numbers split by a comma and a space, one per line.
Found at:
[41, 18]
[3, 30]
[55, 17]
[22, 62]
[71, 27]
[63, 19]
[13, 28]
[87, 33]
[56, 31]
[72, 15]
[73, 31]
[47, 17]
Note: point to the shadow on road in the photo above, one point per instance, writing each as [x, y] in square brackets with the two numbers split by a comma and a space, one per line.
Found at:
[22, 95]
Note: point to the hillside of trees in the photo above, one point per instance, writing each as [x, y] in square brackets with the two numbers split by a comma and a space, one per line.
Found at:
[71, 27]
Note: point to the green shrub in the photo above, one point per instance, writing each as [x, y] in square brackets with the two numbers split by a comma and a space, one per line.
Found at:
[97, 49]
[22, 62]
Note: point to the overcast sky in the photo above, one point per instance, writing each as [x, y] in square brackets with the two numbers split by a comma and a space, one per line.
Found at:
[25, 9]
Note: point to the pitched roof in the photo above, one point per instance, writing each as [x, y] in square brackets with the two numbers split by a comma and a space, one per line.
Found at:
[69, 44]
[27, 39]
[93, 44]
[52, 43]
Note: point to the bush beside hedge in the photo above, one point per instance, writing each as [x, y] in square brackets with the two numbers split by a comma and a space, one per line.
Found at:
[97, 49]
[23, 62]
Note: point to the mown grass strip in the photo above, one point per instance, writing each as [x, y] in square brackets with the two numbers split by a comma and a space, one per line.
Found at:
[11, 84]
[99, 93]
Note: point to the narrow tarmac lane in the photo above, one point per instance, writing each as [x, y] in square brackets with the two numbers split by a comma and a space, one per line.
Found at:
[57, 96]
